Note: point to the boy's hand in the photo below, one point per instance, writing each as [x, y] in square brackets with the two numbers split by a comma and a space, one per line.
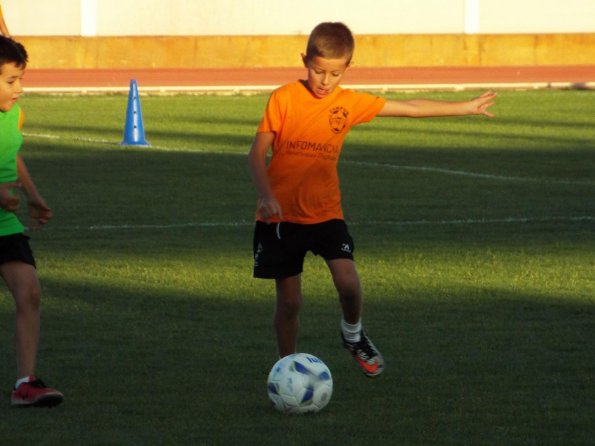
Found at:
[480, 104]
[269, 207]
[9, 201]
[39, 213]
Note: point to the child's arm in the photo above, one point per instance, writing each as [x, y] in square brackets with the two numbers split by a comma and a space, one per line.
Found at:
[9, 201]
[268, 205]
[3, 27]
[424, 108]
[39, 211]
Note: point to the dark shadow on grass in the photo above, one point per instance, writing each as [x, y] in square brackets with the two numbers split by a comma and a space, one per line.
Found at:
[141, 186]
[159, 367]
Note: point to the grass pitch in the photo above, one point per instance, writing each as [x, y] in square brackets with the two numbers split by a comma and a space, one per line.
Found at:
[475, 242]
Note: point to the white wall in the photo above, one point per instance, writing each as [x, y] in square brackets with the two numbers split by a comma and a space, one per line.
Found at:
[258, 17]
[42, 17]
[537, 16]
[237, 17]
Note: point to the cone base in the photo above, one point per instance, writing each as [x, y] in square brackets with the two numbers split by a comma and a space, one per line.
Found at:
[136, 143]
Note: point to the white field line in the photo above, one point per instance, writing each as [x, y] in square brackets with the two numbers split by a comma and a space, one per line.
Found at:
[245, 223]
[482, 221]
[111, 142]
[465, 173]
[71, 138]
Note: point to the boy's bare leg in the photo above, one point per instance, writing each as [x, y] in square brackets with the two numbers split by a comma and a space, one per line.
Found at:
[348, 286]
[353, 334]
[21, 279]
[23, 284]
[286, 318]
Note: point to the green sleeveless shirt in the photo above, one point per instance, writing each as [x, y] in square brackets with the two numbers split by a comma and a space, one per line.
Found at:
[10, 143]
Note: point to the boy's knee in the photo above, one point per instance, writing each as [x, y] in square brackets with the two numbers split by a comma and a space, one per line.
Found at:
[348, 286]
[289, 304]
[28, 297]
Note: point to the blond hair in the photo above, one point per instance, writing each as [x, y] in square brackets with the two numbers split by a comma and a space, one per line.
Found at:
[331, 40]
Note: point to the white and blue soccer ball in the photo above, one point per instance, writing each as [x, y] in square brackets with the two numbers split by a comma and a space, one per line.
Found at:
[300, 383]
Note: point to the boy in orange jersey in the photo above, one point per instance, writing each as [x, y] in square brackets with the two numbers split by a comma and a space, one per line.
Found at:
[299, 201]
[17, 265]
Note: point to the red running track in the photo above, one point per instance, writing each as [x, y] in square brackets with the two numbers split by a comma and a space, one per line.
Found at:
[572, 76]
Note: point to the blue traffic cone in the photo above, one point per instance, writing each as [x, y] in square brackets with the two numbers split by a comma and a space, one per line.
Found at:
[134, 132]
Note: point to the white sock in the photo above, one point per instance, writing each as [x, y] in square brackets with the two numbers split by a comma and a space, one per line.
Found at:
[351, 332]
[22, 380]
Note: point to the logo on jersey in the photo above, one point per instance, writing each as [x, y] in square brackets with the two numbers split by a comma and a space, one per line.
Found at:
[338, 119]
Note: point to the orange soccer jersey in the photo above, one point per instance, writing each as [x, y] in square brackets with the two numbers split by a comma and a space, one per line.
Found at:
[309, 134]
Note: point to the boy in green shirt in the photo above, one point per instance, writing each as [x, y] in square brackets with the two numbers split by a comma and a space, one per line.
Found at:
[17, 265]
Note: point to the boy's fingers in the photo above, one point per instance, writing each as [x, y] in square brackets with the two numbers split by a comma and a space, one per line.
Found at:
[486, 112]
[12, 185]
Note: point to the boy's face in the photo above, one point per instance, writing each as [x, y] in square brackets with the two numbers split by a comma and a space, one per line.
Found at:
[10, 85]
[324, 75]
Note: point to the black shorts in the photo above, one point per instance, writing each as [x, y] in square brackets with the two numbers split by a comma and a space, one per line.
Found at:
[280, 248]
[15, 248]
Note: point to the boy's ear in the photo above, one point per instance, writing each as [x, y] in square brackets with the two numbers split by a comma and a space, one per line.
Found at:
[304, 60]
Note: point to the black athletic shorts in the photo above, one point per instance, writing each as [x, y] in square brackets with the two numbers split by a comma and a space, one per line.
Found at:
[280, 248]
[15, 248]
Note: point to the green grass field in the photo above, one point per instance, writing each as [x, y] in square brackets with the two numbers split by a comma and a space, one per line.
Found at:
[475, 243]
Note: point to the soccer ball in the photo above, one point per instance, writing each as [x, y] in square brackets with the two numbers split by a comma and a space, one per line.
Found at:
[300, 383]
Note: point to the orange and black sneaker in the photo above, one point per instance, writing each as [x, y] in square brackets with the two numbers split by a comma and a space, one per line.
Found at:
[365, 354]
[35, 393]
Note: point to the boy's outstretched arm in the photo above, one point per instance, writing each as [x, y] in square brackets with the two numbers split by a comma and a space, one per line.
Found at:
[268, 205]
[425, 108]
[39, 211]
